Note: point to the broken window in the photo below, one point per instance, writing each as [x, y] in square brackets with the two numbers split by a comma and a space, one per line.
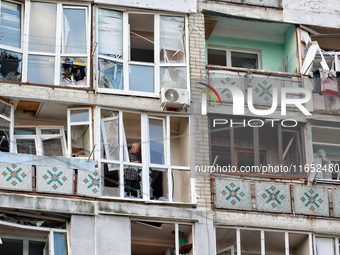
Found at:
[253, 149]
[159, 238]
[40, 140]
[326, 149]
[299, 244]
[6, 126]
[57, 37]
[159, 184]
[79, 132]
[139, 70]
[10, 65]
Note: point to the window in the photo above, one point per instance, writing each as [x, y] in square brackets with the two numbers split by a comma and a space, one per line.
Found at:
[255, 241]
[243, 58]
[79, 135]
[160, 238]
[250, 148]
[140, 52]
[54, 49]
[150, 172]
[10, 41]
[40, 140]
[6, 126]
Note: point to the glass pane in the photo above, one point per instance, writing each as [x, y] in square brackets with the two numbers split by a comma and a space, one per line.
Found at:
[80, 141]
[42, 33]
[217, 57]
[80, 115]
[60, 244]
[141, 37]
[11, 246]
[10, 65]
[74, 31]
[40, 69]
[181, 186]
[36, 248]
[110, 135]
[133, 181]
[73, 71]
[173, 77]
[26, 146]
[110, 74]
[24, 131]
[10, 24]
[172, 36]
[141, 78]
[111, 180]
[244, 60]
[324, 246]
[4, 135]
[110, 33]
[50, 131]
[53, 147]
[5, 109]
[156, 136]
[298, 244]
[158, 178]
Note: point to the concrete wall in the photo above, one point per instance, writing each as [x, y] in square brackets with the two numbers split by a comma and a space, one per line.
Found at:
[82, 235]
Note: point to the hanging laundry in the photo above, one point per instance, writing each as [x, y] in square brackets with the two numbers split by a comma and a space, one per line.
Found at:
[329, 83]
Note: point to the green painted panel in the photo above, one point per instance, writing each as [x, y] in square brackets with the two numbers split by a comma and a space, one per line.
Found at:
[290, 50]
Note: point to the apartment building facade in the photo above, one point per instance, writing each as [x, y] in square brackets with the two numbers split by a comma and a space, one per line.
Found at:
[270, 164]
[82, 82]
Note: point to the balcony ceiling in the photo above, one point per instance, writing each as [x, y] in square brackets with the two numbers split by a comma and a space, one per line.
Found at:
[249, 29]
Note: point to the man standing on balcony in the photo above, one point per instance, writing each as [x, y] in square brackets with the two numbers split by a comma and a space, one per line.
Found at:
[131, 173]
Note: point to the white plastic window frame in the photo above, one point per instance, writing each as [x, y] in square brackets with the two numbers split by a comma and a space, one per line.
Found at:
[10, 119]
[336, 245]
[145, 165]
[71, 124]
[228, 51]
[58, 48]
[126, 56]
[39, 137]
[49, 237]
[311, 239]
[10, 48]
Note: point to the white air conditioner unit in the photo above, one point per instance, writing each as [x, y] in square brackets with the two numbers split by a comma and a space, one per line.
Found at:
[175, 98]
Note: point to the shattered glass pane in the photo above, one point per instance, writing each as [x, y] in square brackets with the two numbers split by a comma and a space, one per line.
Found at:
[173, 77]
[156, 141]
[110, 33]
[141, 78]
[133, 186]
[40, 69]
[50, 131]
[110, 134]
[73, 71]
[158, 178]
[52, 147]
[74, 31]
[110, 74]
[5, 109]
[10, 66]
[42, 32]
[10, 24]
[4, 135]
[26, 146]
[172, 34]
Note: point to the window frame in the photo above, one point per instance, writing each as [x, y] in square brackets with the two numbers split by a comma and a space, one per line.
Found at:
[57, 54]
[145, 157]
[39, 137]
[126, 54]
[228, 51]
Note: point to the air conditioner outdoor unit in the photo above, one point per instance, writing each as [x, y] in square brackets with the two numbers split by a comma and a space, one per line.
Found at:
[175, 98]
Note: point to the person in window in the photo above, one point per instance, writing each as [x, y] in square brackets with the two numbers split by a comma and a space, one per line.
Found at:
[131, 173]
